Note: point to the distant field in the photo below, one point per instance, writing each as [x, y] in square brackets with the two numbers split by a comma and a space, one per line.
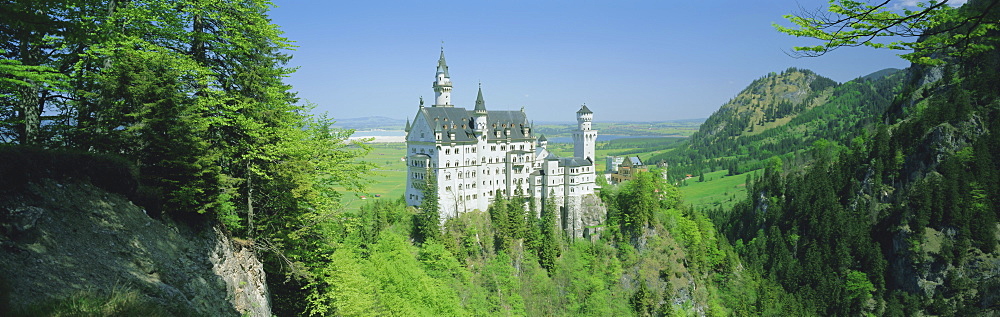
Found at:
[682, 128]
[388, 181]
[718, 190]
[644, 148]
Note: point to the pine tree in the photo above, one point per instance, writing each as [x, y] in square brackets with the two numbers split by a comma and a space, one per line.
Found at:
[549, 247]
[428, 219]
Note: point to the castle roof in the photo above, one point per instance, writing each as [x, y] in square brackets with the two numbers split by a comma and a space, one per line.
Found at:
[460, 121]
[574, 162]
[584, 110]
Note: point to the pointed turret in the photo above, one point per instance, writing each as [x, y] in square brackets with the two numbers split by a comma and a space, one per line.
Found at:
[407, 129]
[442, 65]
[480, 112]
[480, 104]
[442, 84]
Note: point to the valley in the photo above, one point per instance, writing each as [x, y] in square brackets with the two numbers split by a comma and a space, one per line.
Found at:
[164, 158]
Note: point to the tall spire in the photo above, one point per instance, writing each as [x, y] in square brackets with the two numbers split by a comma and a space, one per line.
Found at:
[442, 84]
[442, 66]
[480, 104]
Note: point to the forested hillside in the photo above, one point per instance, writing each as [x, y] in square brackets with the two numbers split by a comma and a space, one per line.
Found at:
[902, 219]
[879, 196]
[782, 114]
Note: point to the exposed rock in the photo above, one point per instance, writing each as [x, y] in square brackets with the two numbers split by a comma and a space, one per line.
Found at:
[59, 239]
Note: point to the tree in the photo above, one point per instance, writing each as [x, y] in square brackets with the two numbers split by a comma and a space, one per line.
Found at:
[173, 154]
[934, 27]
[549, 248]
[859, 289]
[428, 219]
[638, 201]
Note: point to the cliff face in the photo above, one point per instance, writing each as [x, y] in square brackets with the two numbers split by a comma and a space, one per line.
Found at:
[63, 238]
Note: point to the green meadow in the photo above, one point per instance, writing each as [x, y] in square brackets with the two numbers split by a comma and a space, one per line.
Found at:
[718, 190]
[387, 181]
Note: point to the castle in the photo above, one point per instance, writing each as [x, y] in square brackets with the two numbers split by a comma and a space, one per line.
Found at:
[481, 154]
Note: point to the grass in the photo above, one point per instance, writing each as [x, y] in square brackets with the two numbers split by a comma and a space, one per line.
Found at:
[388, 181]
[716, 191]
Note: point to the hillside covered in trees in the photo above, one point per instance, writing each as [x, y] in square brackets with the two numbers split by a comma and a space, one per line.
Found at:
[878, 196]
[783, 114]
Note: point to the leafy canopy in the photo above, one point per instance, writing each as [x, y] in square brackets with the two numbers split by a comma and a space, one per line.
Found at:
[932, 27]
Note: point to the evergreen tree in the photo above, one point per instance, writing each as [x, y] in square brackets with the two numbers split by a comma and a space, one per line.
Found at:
[428, 219]
[549, 247]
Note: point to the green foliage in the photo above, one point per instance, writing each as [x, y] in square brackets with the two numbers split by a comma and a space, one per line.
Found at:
[859, 288]
[428, 221]
[939, 27]
[549, 247]
[780, 115]
[642, 301]
[638, 202]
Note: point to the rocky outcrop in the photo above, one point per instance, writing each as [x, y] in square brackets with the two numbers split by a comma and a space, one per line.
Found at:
[62, 238]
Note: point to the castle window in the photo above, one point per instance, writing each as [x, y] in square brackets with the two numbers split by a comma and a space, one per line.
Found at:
[474, 196]
[447, 177]
[447, 151]
[447, 188]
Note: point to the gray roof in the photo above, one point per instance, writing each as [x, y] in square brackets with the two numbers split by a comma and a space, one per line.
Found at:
[452, 119]
[541, 138]
[635, 160]
[574, 162]
[503, 119]
[583, 109]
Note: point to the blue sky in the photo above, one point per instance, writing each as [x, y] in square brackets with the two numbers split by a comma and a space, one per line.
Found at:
[627, 60]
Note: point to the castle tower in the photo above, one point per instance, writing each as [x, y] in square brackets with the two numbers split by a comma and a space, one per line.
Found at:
[442, 84]
[480, 113]
[584, 137]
